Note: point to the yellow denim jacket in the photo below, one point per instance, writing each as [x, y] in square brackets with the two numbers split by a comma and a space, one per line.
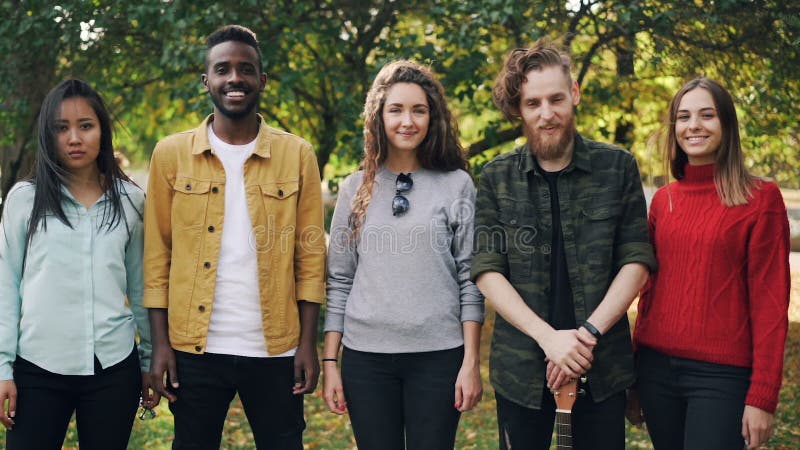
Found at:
[183, 228]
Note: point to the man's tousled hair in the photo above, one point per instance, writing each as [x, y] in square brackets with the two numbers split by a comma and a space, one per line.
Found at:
[542, 54]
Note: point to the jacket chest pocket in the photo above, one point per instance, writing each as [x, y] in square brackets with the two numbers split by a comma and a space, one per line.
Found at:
[190, 202]
[600, 219]
[279, 199]
[521, 237]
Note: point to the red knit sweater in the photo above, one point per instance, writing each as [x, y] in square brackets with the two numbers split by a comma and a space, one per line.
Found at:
[721, 293]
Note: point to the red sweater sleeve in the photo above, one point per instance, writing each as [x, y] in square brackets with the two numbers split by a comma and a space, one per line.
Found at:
[768, 281]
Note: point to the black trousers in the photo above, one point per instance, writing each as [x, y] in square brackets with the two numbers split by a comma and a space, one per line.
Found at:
[208, 383]
[104, 405]
[690, 404]
[595, 426]
[402, 401]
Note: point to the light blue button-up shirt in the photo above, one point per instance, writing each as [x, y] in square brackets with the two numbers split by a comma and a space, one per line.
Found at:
[70, 305]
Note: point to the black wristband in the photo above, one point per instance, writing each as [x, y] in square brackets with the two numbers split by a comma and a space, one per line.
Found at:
[330, 359]
[592, 330]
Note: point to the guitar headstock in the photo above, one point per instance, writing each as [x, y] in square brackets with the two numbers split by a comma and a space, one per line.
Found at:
[567, 393]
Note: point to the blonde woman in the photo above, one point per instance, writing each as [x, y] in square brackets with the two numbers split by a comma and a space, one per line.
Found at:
[399, 294]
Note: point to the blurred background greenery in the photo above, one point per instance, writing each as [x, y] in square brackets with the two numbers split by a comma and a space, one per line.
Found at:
[629, 56]
[320, 56]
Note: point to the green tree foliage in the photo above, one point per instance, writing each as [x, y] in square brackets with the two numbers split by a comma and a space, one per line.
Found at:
[631, 56]
[320, 56]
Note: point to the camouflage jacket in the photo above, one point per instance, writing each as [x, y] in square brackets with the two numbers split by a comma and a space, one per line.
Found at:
[604, 224]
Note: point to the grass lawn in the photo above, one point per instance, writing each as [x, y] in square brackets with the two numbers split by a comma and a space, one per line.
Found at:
[478, 428]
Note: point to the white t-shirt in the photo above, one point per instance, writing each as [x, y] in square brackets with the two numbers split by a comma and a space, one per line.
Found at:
[236, 327]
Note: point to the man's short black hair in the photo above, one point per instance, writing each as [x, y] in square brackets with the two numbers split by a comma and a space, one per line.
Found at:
[233, 33]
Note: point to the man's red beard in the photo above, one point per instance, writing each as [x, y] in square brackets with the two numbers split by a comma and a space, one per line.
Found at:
[548, 148]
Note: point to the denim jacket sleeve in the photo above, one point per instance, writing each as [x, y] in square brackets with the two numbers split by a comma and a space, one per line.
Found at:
[158, 229]
[309, 244]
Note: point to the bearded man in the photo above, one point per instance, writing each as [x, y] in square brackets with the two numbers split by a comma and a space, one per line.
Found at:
[561, 250]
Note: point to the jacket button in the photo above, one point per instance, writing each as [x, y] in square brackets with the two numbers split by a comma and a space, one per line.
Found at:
[188, 187]
[211, 228]
[201, 308]
[197, 348]
[280, 192]
[214, 189]
[207, 265]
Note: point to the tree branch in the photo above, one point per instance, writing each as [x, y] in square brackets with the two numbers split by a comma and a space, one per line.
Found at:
[491, 141]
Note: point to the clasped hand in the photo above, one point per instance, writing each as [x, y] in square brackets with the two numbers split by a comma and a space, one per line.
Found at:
[569, 355]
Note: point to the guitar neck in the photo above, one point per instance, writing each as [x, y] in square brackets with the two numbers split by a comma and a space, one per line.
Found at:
[563, 429]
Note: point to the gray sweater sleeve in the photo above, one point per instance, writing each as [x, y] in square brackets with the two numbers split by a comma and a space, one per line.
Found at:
[342, 256]
[463, 215]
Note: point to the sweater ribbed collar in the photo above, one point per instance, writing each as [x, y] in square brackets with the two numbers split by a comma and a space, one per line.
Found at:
[698, 175]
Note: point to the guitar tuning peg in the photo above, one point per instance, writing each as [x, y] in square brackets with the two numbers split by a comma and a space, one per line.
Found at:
[581, 391]
[583, 379]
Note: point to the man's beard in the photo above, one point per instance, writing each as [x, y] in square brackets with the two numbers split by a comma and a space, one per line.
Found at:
[234, 114]
[550, 149]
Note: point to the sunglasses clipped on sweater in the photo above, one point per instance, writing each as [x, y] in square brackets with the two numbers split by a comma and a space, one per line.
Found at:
[400, 203]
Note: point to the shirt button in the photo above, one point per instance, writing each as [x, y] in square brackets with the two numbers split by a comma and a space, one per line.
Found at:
[214, 189]
[211, 228]
[188, 187]
[197, 348]
[201, 308]
[513, 221]
[207, 265]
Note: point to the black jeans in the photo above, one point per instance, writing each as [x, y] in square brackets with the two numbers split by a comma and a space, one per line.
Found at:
[104, 404]
[208, 383]
[402, 400]
[690, 404]
[595, 426]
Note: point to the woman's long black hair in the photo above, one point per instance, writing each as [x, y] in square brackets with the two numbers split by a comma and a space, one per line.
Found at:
[49, 175]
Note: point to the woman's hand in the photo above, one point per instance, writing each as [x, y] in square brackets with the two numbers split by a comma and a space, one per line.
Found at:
[8, 403]
[469, 388]
[332, 390]
[757, 426]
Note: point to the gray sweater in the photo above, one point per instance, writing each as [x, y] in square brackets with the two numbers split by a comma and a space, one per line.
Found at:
[404, 285]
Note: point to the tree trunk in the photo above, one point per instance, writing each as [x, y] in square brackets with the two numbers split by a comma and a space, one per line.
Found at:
[623, 134]
[16, 159]
[35, 70]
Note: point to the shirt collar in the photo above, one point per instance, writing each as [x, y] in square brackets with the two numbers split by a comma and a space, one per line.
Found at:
[263, 141]
[71, 198]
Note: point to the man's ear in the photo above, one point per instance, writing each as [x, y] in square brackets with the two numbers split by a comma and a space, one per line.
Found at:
[204, 79]
[263, 79]
[576, 93]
